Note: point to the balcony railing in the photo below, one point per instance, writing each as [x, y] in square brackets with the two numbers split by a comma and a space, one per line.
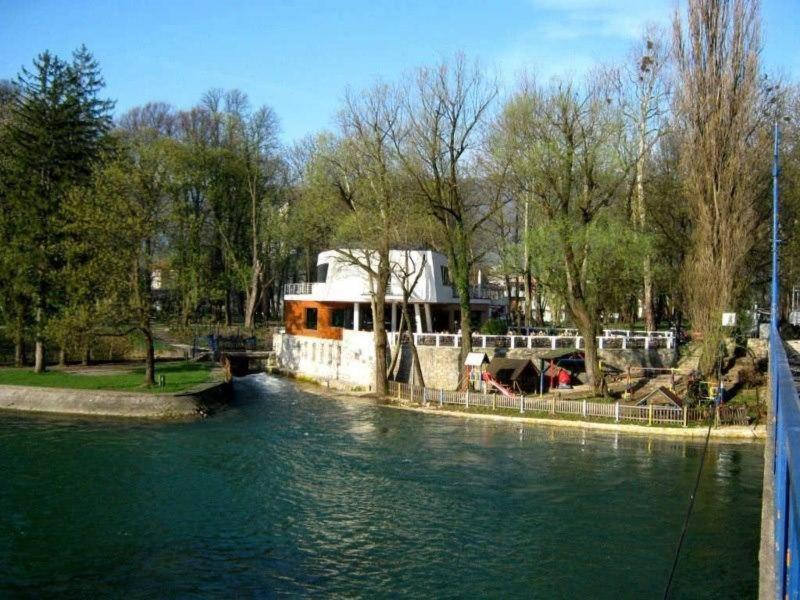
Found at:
[450, 340]
[298, 289]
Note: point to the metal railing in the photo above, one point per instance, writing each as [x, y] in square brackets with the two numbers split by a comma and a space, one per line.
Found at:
[585, 409]
[786, 469]
[622, 342]
[298, 289]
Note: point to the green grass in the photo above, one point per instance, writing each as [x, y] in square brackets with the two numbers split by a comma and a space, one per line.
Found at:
[179, 376]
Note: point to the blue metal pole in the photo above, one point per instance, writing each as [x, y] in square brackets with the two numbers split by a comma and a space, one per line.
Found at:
[773, 319]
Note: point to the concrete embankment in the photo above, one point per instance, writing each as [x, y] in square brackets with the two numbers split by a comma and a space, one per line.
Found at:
[727, 432]
[193, 403]
[754, 433]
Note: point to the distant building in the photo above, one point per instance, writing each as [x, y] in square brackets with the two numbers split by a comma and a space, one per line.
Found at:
[155, 279]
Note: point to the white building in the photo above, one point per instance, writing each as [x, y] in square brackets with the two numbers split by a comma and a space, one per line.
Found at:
[328, 323]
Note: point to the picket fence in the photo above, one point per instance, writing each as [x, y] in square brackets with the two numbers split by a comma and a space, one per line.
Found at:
[584, 409]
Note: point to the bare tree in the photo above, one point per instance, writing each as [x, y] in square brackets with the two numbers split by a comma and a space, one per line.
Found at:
[362, 168]
[642, 87]
[446, 107]
[719, 106]
[407, 272]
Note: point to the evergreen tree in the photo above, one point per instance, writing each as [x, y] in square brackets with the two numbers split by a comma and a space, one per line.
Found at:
[56, 131]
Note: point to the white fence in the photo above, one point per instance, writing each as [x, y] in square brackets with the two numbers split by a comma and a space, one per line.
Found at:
[644, 341]
[583, 409]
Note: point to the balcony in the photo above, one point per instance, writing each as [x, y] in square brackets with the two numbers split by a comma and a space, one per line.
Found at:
[298, 289]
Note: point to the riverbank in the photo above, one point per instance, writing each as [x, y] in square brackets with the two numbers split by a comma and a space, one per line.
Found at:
[756, 433]
[729, 432]
[196, 402]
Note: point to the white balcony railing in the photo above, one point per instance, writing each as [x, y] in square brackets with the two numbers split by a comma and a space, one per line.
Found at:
[298, 289]
[553, 342]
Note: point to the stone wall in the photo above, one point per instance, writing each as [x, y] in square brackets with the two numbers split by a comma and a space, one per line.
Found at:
[193, 403]
[441, 369]
[350, 362]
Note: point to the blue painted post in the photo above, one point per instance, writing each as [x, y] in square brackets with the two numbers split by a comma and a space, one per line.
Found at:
[773, 318]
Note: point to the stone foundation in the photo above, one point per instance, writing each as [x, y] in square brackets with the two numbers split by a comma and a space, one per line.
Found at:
[197, 402]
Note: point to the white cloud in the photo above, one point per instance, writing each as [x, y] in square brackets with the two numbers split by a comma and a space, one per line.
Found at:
[570, 37]
[570, 19]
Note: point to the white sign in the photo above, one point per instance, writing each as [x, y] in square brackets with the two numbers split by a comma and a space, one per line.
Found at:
[728, 319]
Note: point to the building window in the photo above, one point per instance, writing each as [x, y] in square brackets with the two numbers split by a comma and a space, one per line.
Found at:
[311, 318]
[445, 275]
[322, 273]
[342, 317]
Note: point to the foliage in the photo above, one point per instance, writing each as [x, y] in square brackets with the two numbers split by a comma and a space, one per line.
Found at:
[494, 327]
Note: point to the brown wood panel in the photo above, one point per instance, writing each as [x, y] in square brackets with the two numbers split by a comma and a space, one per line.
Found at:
[295, 319]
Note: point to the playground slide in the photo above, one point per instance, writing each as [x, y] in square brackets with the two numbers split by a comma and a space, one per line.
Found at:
[497, 385]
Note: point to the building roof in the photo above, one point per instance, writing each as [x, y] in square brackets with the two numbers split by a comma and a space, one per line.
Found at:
[571, 353]
[476, 359]
[665, 393]
[515, 365]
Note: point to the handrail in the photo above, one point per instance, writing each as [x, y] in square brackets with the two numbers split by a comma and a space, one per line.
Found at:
[298, 289]
[552, 342]
[786, 469]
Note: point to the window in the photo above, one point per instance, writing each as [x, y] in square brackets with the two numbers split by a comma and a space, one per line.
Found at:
[311, 318]
[342, 317]
[322, 273]
[445, 275]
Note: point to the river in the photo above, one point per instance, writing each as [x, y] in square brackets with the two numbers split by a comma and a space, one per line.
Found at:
[289, 492]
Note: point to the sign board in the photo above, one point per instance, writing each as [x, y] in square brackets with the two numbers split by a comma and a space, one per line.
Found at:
[728, 319]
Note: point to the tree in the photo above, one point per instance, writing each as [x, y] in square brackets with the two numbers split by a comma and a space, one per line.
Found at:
[565, 147]
[55, 133]
[445, 110]
[124, 218]
[720, 118]
[642, 88]
[362, 169]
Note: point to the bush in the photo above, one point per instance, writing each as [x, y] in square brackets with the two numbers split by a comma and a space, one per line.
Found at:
[494, 327]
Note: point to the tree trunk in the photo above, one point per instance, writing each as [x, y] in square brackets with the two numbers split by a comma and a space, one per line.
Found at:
[647, 300]
[466, 325]
[640, 220]
[150, 359]
[39, 363]
[251, 296]
[86, 358]
[418, 378]
[19, 353]
[19, 339]
[587, 326]
[62, 357]
[378, 322]
[509, 313]
[227, 308]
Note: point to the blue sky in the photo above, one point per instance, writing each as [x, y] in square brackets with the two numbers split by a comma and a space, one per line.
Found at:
[298, 57]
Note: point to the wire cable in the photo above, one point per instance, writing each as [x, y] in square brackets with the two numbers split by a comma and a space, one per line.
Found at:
[689, 511]
[696, 485]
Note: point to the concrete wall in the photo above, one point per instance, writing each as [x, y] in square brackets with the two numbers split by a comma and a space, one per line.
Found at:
[441, 369]
[194, 403]
[349, 361]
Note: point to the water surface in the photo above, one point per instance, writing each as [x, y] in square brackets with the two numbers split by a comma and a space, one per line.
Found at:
[293, 493]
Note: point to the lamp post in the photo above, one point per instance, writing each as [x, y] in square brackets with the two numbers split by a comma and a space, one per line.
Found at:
[773, 317]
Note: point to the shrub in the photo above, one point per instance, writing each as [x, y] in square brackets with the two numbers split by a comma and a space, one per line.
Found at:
[494, 327]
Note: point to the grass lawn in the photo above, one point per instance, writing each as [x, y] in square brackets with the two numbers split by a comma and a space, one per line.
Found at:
[178, 376]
